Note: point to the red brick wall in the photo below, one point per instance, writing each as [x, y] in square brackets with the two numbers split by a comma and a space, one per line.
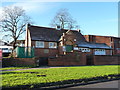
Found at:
[75, 58]
[106, 60]
[68, 38]
[110, 41]
[108, 52]
[40, 52]
[24, 61]
[19, 62]
[101, 39]
[61, 50]
[116, 44]
[86, 37]
[98, 39]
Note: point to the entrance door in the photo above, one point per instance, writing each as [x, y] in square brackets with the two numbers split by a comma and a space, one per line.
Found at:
[69, 48]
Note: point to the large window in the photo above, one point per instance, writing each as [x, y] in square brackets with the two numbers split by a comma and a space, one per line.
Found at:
[52, 45]
[39, 44]
[100, 52]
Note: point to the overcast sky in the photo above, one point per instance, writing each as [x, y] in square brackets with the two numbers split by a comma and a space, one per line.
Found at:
[96, 18]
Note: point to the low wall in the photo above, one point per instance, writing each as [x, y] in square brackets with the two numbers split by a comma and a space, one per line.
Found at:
[18, 62]
[72, 58]
[106, 59]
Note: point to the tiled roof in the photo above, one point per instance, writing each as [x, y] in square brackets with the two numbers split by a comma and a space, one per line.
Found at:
[51, 34]
[94, 45]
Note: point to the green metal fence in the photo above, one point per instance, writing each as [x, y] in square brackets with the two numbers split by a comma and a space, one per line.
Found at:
[69, 48]
[25, 52]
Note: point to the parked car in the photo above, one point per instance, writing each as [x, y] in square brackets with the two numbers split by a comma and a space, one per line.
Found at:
[6, 50]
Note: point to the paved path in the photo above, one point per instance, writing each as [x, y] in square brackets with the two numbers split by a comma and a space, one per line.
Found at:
[109, 84]
[31, 68]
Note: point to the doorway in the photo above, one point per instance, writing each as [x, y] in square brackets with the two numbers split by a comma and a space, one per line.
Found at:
[43, 61]
[89, 60]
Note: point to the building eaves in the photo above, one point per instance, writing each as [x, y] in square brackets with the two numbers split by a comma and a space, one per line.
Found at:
[94, 45]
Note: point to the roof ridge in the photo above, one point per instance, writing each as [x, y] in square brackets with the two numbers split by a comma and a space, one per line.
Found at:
[50, 28]
[42, 27]
[102, 36]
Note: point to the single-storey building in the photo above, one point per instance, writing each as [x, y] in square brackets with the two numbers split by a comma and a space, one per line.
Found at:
[113, 42]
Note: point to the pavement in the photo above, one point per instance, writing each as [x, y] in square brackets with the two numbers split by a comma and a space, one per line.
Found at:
[44, 67]
[109, 84]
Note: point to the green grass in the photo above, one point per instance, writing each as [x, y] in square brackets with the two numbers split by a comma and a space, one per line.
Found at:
[31, 77]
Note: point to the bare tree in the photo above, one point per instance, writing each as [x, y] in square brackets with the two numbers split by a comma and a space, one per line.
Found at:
[7, 38]
[63, 19]
[14, 21]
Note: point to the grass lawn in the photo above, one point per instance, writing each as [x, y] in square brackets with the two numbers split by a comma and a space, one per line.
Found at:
[37, 76]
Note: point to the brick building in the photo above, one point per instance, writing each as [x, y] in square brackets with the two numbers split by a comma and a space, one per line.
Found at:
[113, 42]
[50, 42]
[61, 47]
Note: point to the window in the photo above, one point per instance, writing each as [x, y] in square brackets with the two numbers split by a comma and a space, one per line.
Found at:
[75, 48]
[100, 52]
[118, 48]
[4, 48]
[52, 45]
[39, 44]
[84, 49]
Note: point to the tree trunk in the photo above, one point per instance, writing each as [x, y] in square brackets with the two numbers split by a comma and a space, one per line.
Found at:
[14, 46]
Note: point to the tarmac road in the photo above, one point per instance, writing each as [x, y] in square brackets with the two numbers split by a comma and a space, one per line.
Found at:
[109, 84]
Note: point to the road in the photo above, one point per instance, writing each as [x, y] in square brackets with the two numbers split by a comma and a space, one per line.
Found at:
[109, 84]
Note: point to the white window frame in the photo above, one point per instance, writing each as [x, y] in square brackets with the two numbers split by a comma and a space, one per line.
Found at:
[39, 44]
[84, 49]
[76, 48]
[100, 52]
[52, 45]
